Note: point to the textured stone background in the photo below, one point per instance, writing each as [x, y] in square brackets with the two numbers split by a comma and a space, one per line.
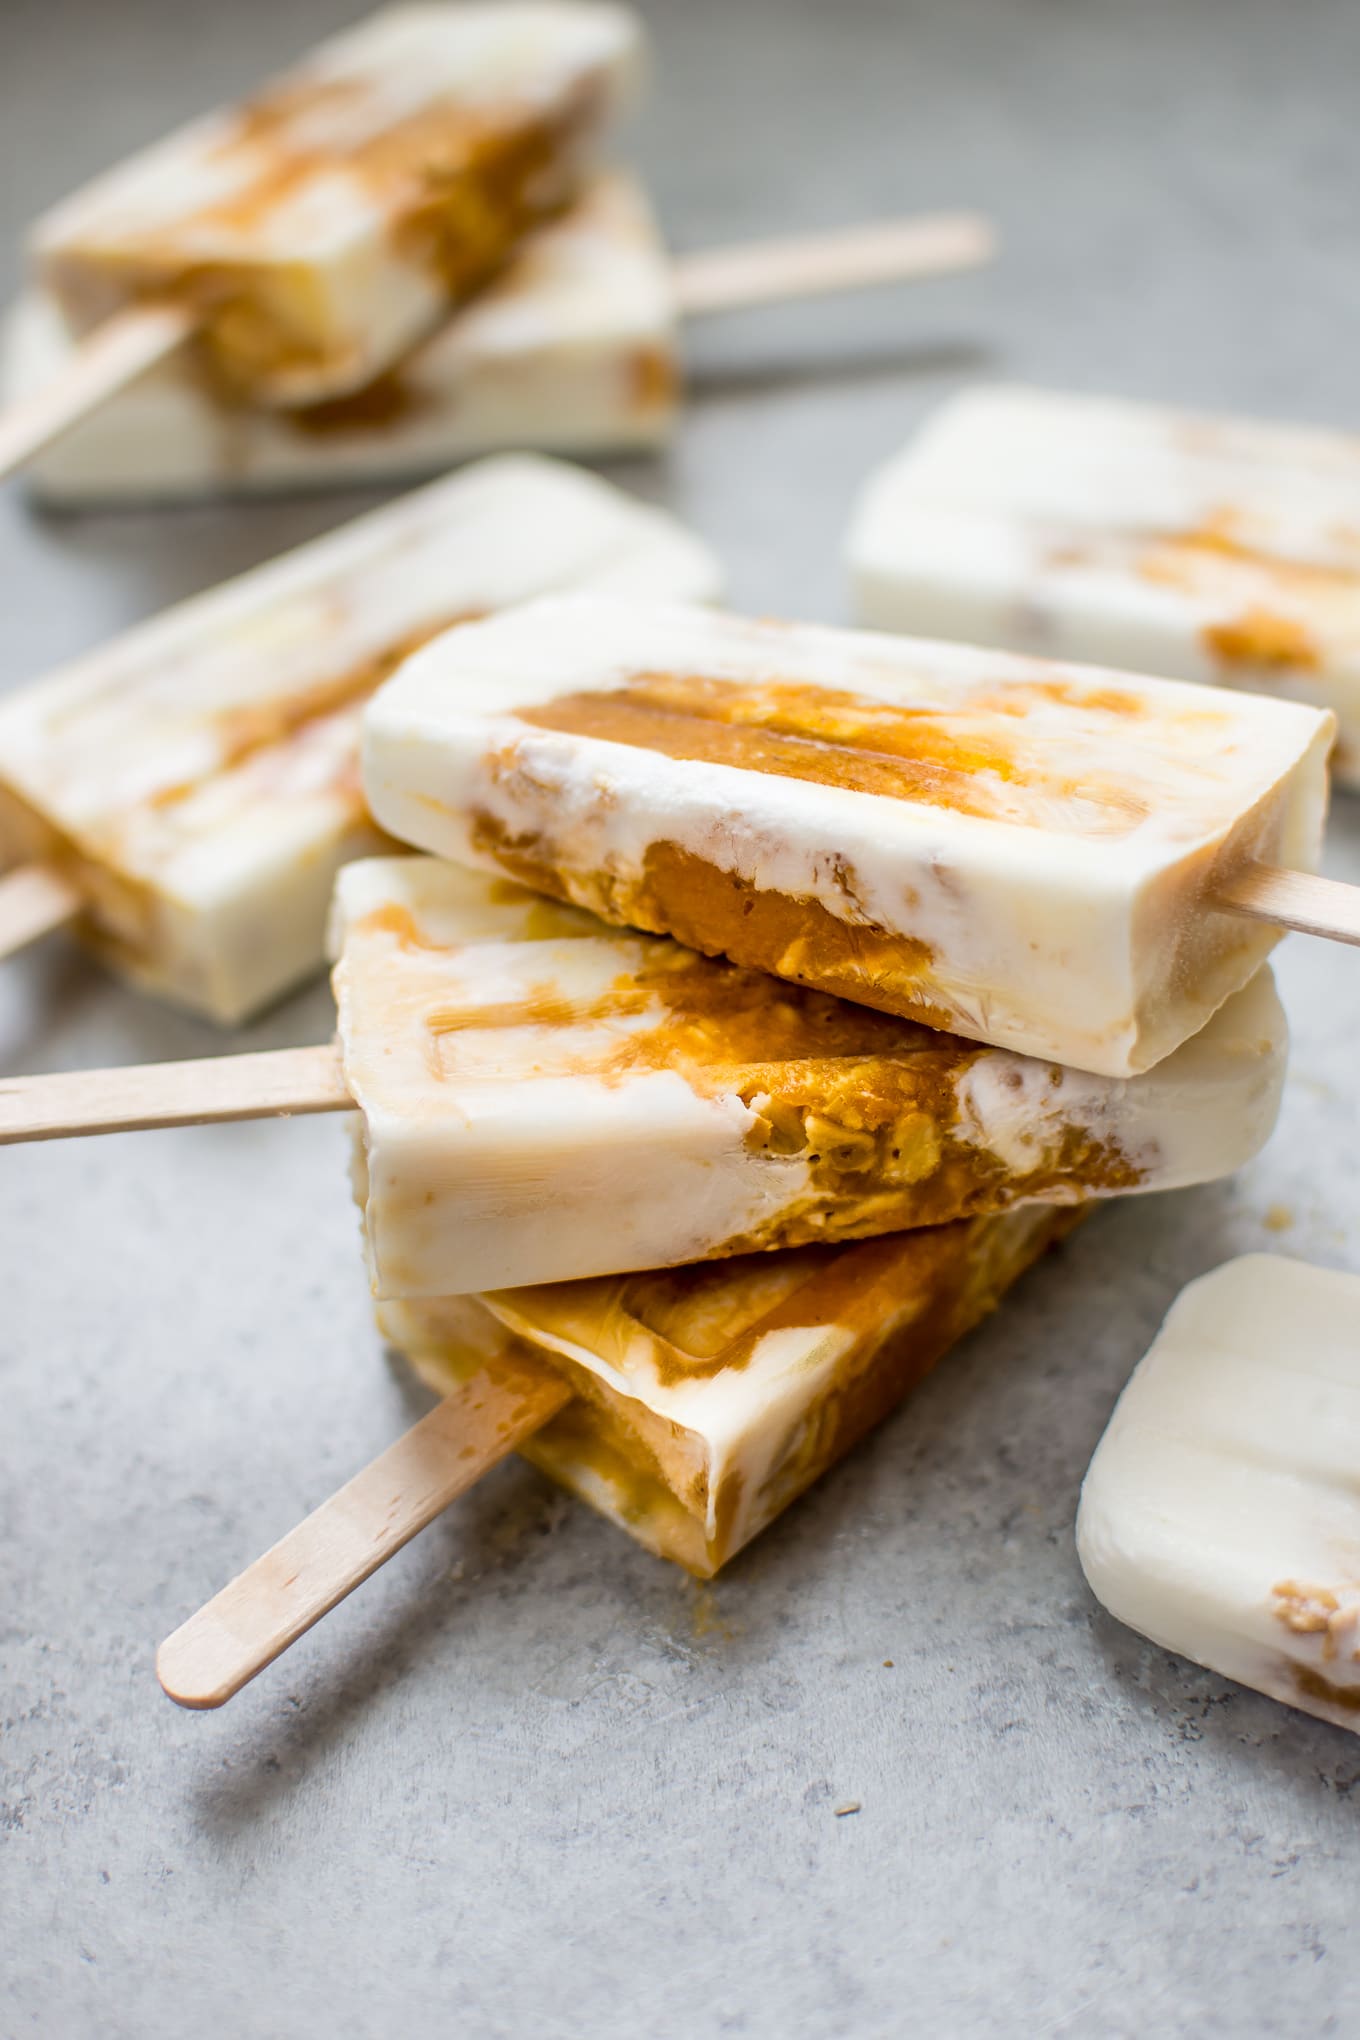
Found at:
[530, 1780]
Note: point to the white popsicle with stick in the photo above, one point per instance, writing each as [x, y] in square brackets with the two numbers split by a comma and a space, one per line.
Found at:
[689, 1406]
[186, 793]
[1065, 861]
[1203, 547]
[544, 1098]
[573, 347]
[1199, 810]
[306, 242]
[307, 238]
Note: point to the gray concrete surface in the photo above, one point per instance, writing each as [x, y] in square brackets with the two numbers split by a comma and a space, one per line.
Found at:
[530, 1780]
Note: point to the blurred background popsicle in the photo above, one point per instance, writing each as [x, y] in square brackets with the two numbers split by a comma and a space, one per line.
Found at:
[572, 347]
[190, 789]
[316, 232]
[1204, 548]
[309, 240]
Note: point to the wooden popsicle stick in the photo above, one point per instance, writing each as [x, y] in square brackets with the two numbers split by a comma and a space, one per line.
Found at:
[815, 265]
[1294, 899]
[34, 899]
[273, 1602]
[109, 358]
[275, 1083]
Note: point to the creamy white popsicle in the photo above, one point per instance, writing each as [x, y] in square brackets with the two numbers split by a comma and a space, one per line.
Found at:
[543, 1097]
[325, 226]
[198, 777]
[570, 349]
[1205, 548]
[708, 1398]
[1221, 1513]
[1014, 851]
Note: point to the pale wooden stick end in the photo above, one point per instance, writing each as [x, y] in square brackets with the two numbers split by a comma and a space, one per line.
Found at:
[191, 1672]
[104, 362]
[274, 1083]
[1294, 899]
[266, 1608]
[844, 259]
[34, 899]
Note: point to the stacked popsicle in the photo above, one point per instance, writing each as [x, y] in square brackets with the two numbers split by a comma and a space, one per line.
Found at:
[1052, 862]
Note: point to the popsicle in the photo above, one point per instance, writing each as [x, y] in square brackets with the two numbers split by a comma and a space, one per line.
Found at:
[1203, 548]
[1058, 860]
[710, 1397]
[542, 1097]
[1221, 1516]
[313, 234]
[691, 1407]
[191, 789]
[571, 348]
